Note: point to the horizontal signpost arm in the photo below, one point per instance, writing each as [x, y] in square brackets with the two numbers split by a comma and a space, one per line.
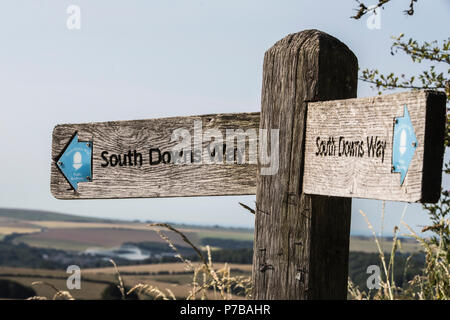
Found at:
[349, 152]
[388, 147]
[122, 167]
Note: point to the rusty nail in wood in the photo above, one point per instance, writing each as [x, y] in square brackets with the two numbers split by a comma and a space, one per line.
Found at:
[265, 267]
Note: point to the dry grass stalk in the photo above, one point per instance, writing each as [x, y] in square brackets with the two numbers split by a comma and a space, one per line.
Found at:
[152, 291]
[388, 288]
[219, 281]
[435, 282]
[59, 294]
[386, 284]
[120, 286]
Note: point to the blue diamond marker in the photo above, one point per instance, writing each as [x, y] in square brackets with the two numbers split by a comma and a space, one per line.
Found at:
[404, 146]
[75, 162]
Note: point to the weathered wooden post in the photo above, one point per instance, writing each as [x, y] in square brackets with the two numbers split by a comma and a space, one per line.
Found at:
[301, 242]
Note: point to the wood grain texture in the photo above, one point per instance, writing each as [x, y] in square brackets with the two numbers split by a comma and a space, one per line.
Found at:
[163, 180]
[301, 241]
[367, 176]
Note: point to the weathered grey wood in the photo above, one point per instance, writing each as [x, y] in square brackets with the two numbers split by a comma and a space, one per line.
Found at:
[362, 175]
[164, 180]
[353, 119]
[301, 242]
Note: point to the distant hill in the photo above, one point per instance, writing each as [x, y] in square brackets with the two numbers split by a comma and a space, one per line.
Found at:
[40, 215]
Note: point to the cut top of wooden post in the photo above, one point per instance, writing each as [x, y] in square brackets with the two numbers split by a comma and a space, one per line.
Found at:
[388, 147]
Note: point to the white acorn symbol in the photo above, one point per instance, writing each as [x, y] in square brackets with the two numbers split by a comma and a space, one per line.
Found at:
[77, 160]
[402, 142]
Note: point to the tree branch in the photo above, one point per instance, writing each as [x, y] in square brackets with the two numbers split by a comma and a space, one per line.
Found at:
[363, 9]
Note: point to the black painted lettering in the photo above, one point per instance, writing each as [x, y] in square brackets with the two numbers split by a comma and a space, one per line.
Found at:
[166, 156]
[361, 149]
[137, 157]
[103, 155]
[113, 160]
[381, 146]
[341, 151]
[318, 146]
[370, 147]
[156, 152]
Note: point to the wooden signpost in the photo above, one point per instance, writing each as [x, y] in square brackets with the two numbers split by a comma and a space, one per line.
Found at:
[134, 159]
[322, 146]
[354, 147]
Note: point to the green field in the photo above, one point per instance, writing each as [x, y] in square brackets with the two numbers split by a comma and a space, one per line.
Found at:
[365, 244]
[174, 277]
[245, 235]
[52, 244]
[39, 215]
[69, 232]
[46, 231]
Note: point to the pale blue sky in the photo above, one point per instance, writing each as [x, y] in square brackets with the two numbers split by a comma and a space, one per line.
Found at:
[147, 59]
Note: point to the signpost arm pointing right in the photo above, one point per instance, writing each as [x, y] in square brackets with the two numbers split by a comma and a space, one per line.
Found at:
[301, 242]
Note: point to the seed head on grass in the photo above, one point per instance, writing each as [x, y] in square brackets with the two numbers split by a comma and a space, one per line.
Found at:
[218, 280]
[120, 284]
[151, 291]
[59, 294]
